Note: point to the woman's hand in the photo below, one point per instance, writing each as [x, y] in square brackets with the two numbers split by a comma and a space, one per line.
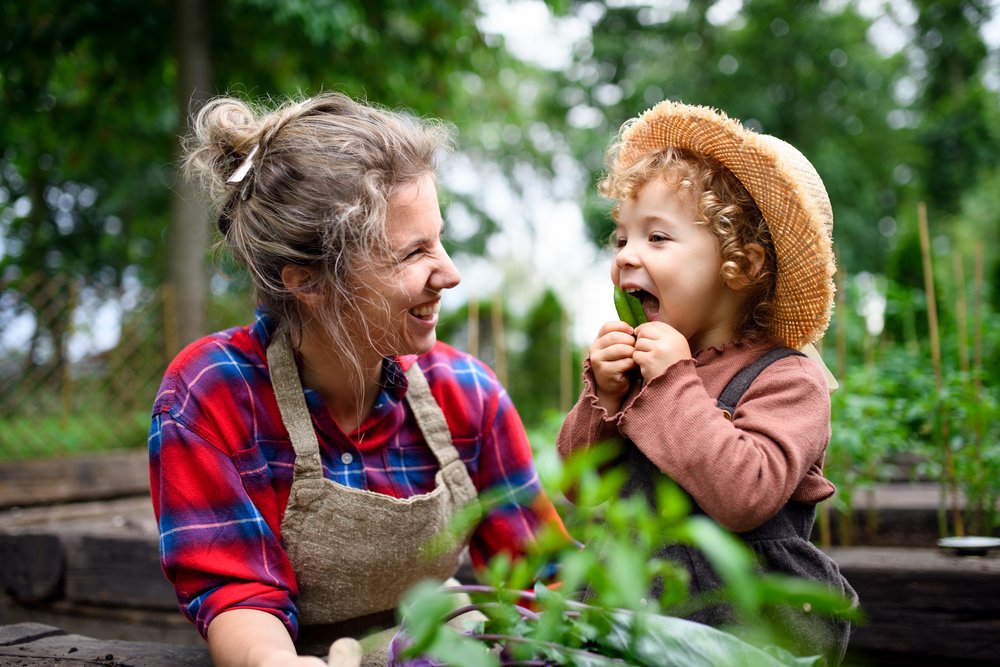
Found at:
[253, 638]
[611, 361]
[657, 347]
[293, 660]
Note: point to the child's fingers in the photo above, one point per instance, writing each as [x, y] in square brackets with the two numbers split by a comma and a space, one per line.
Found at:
[614, 325]
[618, 367]
[655, 329]
[612, 353]
[618, 342]
[614, 338]
[613, 377]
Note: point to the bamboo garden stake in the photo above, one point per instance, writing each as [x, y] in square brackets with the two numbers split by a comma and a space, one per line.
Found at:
[932, 321]
[977, 364]
[961, 311]
[565, 362]
[977, 317]
[499, 344]
[825, 536]
[473, 315]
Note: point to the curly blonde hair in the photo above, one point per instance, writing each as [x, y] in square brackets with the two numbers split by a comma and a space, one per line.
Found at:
[722, 204]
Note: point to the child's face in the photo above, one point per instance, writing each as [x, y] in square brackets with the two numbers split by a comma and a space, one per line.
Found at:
[676, 264]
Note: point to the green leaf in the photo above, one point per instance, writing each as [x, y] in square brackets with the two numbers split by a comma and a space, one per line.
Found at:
[731, 559]
[421, 611]
[457, 650]
[794, 591]
[649, 640]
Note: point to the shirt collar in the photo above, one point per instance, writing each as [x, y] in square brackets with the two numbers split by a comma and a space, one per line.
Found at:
[394, 374]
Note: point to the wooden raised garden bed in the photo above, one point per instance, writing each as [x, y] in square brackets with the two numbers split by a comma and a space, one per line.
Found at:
[85, 562]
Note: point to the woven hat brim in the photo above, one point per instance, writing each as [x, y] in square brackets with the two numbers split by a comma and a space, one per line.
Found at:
[788, 191]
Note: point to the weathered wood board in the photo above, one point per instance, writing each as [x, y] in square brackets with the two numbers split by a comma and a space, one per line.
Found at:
[38, 645]
[72, 479]
[103, 552]
[942, 608]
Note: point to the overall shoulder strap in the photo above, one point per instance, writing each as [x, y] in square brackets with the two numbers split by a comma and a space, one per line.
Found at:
[738, 386]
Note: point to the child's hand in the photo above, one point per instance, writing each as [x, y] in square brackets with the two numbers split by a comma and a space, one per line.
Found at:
[658, 346]
[611, 360]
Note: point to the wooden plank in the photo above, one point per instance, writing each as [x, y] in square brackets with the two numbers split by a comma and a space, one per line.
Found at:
[924, 602]
[132, 513]
[77, 650]
[105, 621]
[20, 633]
[31, 566]
[57, 480]
[104, 552]
[116, 569]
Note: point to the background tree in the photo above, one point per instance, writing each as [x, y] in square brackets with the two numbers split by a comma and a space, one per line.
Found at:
[95, 95]
[805, 72]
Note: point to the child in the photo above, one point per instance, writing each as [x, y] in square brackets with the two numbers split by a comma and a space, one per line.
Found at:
[725, 236]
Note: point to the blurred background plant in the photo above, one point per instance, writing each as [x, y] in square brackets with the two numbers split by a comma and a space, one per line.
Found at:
[105, 268]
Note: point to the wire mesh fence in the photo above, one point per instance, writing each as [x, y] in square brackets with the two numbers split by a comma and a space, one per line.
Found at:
[79, 368]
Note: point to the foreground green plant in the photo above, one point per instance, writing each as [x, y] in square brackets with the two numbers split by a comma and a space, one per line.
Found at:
[596, 608]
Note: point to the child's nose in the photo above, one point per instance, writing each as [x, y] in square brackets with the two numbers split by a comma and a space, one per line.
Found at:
[626, 256]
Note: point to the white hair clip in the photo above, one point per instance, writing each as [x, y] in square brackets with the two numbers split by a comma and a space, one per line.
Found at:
[244, 168]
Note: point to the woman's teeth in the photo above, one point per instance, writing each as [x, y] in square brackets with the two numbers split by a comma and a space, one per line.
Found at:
[426, 311]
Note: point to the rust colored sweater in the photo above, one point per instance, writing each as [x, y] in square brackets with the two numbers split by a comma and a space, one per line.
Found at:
[740, 472]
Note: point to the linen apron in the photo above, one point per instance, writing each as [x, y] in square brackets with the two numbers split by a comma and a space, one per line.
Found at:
[355, 552]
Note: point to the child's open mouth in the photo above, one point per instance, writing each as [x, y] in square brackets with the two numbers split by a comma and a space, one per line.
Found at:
[650, 304]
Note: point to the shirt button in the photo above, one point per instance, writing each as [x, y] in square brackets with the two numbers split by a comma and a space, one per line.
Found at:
[346, 458]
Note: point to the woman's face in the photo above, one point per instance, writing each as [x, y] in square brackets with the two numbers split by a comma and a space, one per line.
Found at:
[411, 281]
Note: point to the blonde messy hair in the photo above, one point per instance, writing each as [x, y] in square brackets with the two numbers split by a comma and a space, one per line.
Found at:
[722, 204]
[316, 194]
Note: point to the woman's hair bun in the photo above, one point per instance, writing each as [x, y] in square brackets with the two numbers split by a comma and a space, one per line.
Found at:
[223, 133]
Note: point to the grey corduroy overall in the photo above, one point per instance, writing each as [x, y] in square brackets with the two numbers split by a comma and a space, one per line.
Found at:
[782, 543]
[355, 552]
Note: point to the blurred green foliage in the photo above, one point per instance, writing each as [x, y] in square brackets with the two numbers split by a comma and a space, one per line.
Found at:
[90, 119]
[90, 115]
[891, 421]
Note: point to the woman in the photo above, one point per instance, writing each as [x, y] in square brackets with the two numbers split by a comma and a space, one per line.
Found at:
[302, 465]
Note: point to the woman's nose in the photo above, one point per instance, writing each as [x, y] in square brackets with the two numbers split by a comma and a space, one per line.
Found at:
[446, 274]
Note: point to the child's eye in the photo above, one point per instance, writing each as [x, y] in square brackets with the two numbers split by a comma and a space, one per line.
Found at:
[619, 242]
[657, 237]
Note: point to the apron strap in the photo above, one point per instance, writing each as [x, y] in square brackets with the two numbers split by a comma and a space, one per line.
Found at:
[298, 422]
[292, 405]
[429, 417]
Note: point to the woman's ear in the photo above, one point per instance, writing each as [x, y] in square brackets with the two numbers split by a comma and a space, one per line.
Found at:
[736, 279]
[300, 281]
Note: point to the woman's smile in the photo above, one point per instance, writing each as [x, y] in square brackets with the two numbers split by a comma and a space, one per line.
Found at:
[427, 313]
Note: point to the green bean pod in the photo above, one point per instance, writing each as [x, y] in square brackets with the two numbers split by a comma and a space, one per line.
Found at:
[629, 308]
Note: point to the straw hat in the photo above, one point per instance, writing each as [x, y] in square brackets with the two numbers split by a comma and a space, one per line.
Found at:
[787, 189]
